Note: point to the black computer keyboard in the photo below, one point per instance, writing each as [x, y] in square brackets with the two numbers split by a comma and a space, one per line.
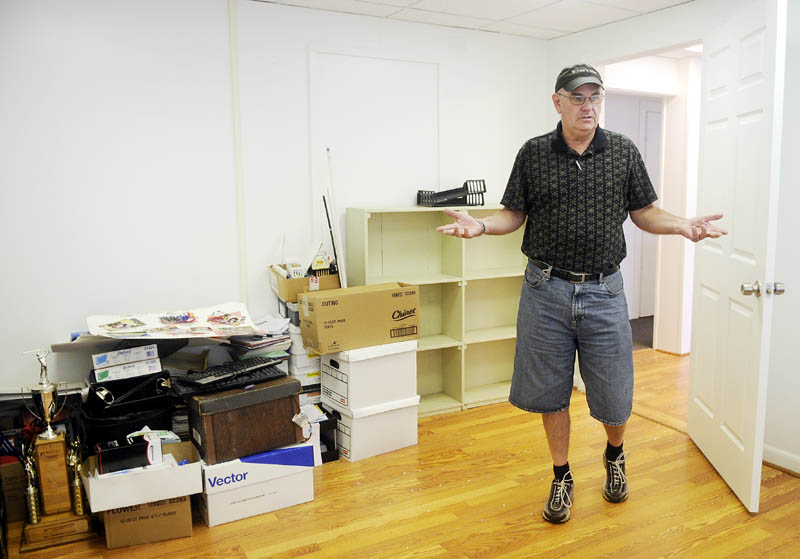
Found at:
[237, 374]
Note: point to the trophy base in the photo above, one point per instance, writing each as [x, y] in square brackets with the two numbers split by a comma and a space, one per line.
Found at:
[56, 529]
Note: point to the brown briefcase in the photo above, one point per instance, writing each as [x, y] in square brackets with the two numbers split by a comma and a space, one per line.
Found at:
[244, 421]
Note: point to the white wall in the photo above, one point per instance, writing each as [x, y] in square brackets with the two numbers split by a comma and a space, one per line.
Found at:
[116, 167]
[118, 158]
[678, 196]
[487, 90]
[656, 75]
[648, 34]
[781, 440]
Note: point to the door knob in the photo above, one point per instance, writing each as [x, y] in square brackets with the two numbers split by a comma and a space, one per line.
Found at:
[750, 288]
[777, 288]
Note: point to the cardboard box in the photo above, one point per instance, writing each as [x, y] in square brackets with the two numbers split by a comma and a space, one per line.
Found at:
[359, 378]
[139, 486]
[297, 341]
[258, 484]
[14, 484]
[128, 370]
[304, 360]
[240, 422]
[289, 288]
[148, 522]
[112, 358]
[374, 430]
[356, 317]
[309, 381]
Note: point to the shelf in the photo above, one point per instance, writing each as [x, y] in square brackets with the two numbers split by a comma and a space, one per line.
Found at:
[432, 404]
[488, 273]
[416, 279]
[491, 303]
[413, 209]
[439, 341]
[494, 255]
[468, 298]
[490, 334]
[401, 245]
[487, 394]
[439, 380]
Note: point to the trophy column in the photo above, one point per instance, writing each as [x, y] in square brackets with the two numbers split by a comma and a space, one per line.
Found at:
[51, 463]
[52, 522]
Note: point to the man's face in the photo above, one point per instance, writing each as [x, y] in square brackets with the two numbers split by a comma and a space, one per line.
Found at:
[578, 119]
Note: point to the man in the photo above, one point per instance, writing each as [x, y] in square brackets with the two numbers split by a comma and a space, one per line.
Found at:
[576, 186]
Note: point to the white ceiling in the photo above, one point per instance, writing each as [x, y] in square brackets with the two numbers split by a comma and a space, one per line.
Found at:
[540, 19]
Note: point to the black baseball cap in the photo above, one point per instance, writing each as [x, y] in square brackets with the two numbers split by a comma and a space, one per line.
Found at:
[575, 76]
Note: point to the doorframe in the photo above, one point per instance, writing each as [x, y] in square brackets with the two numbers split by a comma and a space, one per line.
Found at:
[674, 260]
[635, 241]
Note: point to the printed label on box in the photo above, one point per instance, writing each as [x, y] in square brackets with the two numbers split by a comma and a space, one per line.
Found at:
[343, 438]
[335, 385]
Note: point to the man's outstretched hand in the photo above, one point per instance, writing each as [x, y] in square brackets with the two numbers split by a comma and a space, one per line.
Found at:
[698, 228]
[464, 226]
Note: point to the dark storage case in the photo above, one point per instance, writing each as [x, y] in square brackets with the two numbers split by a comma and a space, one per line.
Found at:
[244, 421]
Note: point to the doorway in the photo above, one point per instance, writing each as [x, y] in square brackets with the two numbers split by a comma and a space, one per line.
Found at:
[640, 118]
[654, 100]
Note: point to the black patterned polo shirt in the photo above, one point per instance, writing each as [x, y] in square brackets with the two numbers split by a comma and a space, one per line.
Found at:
[576, 204]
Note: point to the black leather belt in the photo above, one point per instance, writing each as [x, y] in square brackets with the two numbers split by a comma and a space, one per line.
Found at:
[574, 277]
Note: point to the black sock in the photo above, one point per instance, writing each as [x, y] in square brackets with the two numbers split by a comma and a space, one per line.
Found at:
[561, 471]
[612, 452]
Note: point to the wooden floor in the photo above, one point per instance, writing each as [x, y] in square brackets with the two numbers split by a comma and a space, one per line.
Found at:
[474, 487]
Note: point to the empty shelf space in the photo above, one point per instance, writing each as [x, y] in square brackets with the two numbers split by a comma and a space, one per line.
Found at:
[432, 404]
[490, 334]
[487, 394]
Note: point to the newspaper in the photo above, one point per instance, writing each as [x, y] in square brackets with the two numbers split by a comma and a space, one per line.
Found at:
[227, 319]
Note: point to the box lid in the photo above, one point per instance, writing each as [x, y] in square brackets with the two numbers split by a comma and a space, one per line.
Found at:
[241, 397]
[374, 409]
[364, 353]
[332, 293]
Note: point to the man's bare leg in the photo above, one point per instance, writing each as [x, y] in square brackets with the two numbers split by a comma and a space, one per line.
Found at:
[556, 427]
[615, 433]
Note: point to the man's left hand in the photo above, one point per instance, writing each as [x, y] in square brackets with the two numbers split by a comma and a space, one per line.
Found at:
[698, 228]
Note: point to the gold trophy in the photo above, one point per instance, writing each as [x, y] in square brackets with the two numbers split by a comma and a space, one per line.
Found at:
[49, 447]
[32, 489]
[74, 463]
[50, 517]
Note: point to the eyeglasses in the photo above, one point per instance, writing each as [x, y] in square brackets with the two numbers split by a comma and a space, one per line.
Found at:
[595, 99]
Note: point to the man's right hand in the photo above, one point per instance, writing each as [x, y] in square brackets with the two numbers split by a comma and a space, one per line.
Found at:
[464, 226]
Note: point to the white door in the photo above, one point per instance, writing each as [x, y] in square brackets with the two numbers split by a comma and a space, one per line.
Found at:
[743, 66]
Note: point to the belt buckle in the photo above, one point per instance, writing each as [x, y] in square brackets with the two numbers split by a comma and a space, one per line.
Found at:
[582, 276]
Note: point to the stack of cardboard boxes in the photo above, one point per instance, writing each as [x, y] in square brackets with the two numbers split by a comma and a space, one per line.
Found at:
[258, 454]
[250, 453]
[367, 338]
[303, 364]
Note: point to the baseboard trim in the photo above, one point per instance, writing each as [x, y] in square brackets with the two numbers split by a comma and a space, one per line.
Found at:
[671, 353]
[782, 460]
[657, 416]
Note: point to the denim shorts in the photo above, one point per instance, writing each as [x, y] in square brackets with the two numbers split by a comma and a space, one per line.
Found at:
[557, 318]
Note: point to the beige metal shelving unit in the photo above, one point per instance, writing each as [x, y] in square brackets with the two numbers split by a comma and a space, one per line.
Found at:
[469, 296]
